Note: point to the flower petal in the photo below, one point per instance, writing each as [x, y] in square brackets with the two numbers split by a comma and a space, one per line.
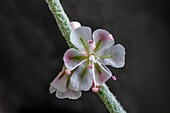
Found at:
[118, 59]
[103, 76]
[69, 58]
[102, 38]
[79, 82]
[68, 94]
[52, 89]
[81, 32]
[75, 24]
[59, 82]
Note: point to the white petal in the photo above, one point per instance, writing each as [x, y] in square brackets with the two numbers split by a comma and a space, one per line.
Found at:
[70, 63]
[103, 76]
[68, 94]
[118, 61]
[77, 82]
[75, 24]
[102, 35]
[52, 89]
[60, 81]
[81, 32]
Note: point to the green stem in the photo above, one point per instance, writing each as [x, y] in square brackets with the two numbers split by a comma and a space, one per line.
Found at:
[64, 25]
[110, 100]
[62, 19]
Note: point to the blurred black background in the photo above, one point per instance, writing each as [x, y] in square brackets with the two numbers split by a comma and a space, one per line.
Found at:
[32, 47]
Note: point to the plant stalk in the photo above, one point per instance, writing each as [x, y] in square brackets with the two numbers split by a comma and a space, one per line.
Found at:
[62, 20]
[110, 100]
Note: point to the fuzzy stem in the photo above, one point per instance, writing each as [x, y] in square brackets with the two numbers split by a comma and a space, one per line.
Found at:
[62, 19]
[110, 100]
[64, 25]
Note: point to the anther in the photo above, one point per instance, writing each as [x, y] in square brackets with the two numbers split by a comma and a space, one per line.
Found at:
[90, 66]
[114, 77]
[68, 71]
[110, 36]
[95, 89]
[91, 42]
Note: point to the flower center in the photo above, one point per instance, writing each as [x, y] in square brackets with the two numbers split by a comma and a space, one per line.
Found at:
[92, 58]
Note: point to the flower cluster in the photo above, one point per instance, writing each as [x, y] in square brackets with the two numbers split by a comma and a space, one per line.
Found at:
[85, 66]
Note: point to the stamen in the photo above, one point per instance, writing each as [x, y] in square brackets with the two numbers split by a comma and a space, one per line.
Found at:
[93, 46]
[114, 77]
[68, 71]
[91, 42]
[90, 66]
[95, 89]
[110, 36]
[94, 79]
[84, 53]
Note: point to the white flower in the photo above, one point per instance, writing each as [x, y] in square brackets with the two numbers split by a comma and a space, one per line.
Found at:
[94, 52]
[60, 85]
[86, 66]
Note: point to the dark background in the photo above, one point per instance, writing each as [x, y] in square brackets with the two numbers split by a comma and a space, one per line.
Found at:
[32, 47]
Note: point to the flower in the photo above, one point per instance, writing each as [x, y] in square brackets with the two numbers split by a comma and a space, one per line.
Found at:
[60, 85]
[94, 52]
[85, 68]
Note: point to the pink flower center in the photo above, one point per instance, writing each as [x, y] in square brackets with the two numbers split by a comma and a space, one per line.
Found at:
[102, 36]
